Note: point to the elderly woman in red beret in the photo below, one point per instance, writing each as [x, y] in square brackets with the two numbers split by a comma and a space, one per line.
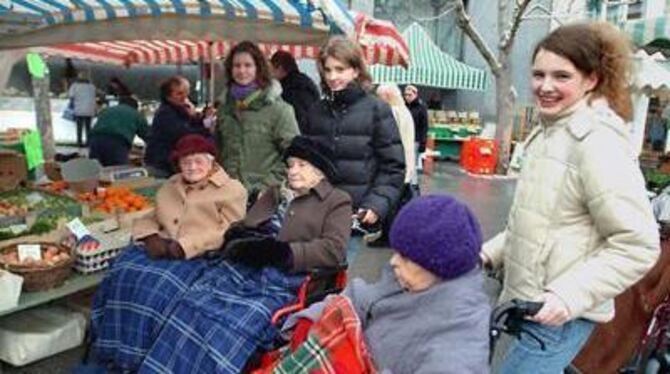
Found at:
[194, 208]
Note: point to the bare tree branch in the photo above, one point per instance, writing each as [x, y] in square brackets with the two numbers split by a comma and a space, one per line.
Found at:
[515, 22]
[464, 22]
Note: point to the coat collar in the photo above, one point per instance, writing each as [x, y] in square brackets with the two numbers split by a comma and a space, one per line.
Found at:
[323, 189]
[218, 178]
[269, 94]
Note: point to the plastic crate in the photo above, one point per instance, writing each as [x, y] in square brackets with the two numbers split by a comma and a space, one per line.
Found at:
[479, 156]
[111, 245]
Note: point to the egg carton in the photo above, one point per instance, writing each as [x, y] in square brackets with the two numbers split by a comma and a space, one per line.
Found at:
[111, 244]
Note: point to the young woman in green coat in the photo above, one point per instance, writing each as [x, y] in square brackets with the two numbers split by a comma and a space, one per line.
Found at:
[254, 124]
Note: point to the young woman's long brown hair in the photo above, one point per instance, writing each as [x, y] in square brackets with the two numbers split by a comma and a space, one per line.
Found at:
[346, 51]
[599, 48]
[263, 76]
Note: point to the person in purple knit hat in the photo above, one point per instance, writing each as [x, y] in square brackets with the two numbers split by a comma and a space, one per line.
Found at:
[429, 312]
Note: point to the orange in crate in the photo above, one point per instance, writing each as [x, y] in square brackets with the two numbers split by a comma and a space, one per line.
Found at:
[479, 156]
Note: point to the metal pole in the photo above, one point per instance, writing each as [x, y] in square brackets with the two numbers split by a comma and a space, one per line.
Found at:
[43, 115]
[212, 61]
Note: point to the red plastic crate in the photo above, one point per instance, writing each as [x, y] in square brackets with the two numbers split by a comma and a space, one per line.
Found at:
[479, 156]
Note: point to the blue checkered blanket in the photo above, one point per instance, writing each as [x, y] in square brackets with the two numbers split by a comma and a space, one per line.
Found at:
[133, 302]
[223, 319]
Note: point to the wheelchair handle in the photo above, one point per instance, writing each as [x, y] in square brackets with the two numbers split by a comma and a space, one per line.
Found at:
[509, 317]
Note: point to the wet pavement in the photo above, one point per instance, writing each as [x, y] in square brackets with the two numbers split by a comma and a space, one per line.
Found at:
[489, 198]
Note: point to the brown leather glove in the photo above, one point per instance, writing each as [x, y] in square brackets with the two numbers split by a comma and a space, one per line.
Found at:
[156, 246]
[174, 250]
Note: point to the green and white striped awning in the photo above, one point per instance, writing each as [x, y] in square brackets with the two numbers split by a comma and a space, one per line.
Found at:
[430, 66]
[645, 31]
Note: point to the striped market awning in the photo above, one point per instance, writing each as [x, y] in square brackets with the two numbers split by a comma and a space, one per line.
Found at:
[430, 66]
[380, 40]
[53, 22]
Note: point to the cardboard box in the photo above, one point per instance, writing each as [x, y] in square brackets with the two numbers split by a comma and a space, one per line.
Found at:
[33, 334]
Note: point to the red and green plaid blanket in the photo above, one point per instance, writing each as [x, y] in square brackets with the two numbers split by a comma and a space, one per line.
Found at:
[335, 345]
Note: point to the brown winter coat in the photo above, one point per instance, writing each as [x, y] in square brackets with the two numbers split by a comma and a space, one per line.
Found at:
[195, 215]
[612, 344]
[317, 225]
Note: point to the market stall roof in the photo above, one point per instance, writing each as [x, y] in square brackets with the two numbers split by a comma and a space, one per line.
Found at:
[381, 41]
[430, 66]
[645, 31]
[652, 75]
[303, 22]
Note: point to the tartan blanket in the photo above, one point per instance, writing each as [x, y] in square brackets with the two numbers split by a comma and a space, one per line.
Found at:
[221, 322]
[335, 345]
[132, 304]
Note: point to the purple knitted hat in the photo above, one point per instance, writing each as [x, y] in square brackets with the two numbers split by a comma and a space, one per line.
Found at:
[439, 233]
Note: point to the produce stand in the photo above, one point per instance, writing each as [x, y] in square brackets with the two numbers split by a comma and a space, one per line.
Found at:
[451, 129]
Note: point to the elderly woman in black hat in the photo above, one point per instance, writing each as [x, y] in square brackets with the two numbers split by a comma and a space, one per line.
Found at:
[294, 227]
[302, 224]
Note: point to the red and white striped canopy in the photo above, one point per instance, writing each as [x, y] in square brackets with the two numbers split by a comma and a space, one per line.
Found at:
[382, 44]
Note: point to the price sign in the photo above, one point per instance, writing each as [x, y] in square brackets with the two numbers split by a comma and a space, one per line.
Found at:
[29, 251]
[78, 229]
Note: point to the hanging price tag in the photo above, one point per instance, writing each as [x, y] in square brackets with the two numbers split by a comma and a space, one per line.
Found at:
[78, 229]
[29, 251]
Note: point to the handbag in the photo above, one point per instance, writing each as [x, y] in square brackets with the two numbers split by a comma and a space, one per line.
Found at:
[68, 112]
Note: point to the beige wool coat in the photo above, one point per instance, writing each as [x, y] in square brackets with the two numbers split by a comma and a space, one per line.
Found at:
[195, 215]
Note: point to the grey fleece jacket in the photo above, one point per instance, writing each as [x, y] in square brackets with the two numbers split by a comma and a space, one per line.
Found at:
[440, 330]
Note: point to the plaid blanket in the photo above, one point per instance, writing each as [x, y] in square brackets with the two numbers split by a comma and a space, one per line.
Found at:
[221, 322]
[133, 302]
[334, 345]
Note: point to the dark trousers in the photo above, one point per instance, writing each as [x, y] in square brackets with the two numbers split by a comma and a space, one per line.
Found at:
[108, 149]
[83, 124]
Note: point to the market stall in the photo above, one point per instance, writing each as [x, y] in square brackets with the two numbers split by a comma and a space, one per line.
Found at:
[432, 67]
[58, 236]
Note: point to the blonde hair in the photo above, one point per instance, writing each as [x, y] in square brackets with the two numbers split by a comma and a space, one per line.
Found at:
[390, 93]
[597, 48]
[347, 52]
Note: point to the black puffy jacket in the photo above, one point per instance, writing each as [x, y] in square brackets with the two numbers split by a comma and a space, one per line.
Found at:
[368, 151]
[301, 92]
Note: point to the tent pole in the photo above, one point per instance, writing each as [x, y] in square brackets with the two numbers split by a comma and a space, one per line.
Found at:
[212, 61]
[43, 115]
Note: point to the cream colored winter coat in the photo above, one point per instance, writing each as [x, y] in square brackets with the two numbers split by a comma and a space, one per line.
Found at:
[580, 225]
[403, 118]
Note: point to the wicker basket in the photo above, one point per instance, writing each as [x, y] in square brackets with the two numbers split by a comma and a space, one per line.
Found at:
[40, 278]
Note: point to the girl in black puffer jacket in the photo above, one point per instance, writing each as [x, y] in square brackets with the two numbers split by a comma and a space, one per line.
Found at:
[361, 130]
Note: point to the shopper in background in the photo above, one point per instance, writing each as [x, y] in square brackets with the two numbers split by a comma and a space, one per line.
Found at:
[176, 117]
[297, 88]
[112, 136]
[420, 116]
[82, 95]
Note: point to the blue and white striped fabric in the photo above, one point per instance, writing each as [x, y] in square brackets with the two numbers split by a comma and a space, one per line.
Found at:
[223, 319]
[280, 20]
[133, 302]
[278, 11]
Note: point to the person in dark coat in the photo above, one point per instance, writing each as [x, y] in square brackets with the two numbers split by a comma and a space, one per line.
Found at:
[361, 131]
[297, 88]
[419, 115]
[175, 118]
